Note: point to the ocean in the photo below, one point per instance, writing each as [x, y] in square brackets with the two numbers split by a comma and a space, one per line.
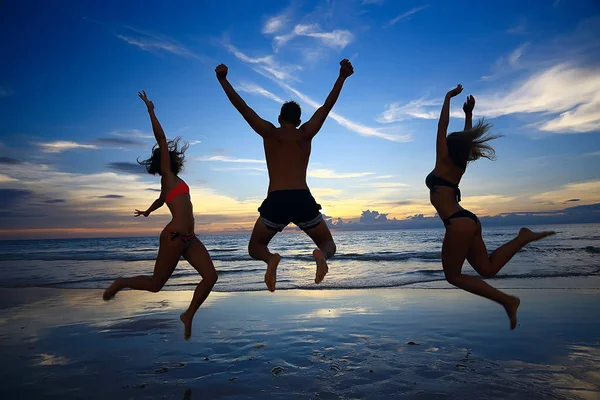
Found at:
[365, 259]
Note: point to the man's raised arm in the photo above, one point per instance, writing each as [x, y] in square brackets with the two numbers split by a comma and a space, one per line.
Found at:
[314, 124]
[260, 126]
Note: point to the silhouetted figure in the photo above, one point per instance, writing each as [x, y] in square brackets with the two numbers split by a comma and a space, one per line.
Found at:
[463, 229]
[287, 151]
[178, 238]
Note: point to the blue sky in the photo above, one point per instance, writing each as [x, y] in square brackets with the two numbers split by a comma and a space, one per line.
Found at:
[73, 125]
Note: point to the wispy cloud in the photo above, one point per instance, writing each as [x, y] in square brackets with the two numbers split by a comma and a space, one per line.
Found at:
[6, 178]
[266, 65]
[377, 2]
[112, 141]
[571, 92]
[227, 159]
[133, 133]
[110, 196]
[157, 44]
[406, 15]
[395, 112]
[63, 145]
[514, 57]
[507, 63]
[4, 91]
[275, 23]
[331, 174]
[255, 89]
[337, 39]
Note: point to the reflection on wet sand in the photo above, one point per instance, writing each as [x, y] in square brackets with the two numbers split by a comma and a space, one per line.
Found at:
[339, 344]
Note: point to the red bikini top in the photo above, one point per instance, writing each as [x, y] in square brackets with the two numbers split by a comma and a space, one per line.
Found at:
[181, 188]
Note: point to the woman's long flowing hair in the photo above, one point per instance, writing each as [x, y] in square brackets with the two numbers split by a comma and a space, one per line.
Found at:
[152, 164]
[472, 144]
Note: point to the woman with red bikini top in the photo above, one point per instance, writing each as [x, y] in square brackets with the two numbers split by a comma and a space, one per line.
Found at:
[177, 238]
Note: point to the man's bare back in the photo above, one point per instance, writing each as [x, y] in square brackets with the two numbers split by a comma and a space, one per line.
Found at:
[287, 156]
[287, 152]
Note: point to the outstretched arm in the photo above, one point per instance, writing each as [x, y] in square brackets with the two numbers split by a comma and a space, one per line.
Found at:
[468, 107]
[260, 126]
[159, 135]
[441, 144]
[314, 124]
[158, 203]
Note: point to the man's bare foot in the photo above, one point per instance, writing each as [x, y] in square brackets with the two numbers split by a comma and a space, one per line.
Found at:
[511, 309]
[529, 236]
[113, 289]
[271, 274]
[322, 268]
[187, 326]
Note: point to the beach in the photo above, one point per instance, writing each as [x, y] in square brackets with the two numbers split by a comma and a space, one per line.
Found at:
[313, 344]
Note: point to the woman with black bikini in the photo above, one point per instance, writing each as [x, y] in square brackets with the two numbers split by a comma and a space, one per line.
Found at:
[463, 239]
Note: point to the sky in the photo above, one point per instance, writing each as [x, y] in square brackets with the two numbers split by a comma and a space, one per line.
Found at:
[73, 125]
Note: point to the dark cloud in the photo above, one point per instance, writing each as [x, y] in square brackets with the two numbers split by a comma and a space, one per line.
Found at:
[110, 196]
[153, 190]
[110, 141]
[55, 201]
[15, 219]
[395, 203]
[376, 220]
[10, 161]
[373, 217]
[12, 197]
[129, 168]
[572, 200]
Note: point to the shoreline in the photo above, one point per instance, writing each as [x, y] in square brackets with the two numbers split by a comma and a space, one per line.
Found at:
[590, 282]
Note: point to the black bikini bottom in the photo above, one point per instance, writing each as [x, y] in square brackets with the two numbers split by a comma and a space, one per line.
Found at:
[461, 214]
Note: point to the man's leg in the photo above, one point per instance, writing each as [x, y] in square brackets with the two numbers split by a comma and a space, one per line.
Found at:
[258, 249]
[321, 235]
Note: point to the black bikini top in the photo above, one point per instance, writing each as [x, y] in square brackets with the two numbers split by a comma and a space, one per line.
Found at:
[433, 180]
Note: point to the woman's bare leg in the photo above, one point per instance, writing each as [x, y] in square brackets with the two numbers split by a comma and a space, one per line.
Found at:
[457, 241]
[169, 252]
[198, 257]
[489, 266]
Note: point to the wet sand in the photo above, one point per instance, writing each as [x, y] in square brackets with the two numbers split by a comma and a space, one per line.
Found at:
[318, 344]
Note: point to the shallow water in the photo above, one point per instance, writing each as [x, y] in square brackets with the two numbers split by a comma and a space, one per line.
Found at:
[365, 259]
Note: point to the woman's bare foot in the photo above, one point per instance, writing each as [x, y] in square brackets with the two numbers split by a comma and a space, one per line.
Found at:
[321, 265]
[113, 289]
[187, 325]
[511, 309]
[529, 236]
[271, 274]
